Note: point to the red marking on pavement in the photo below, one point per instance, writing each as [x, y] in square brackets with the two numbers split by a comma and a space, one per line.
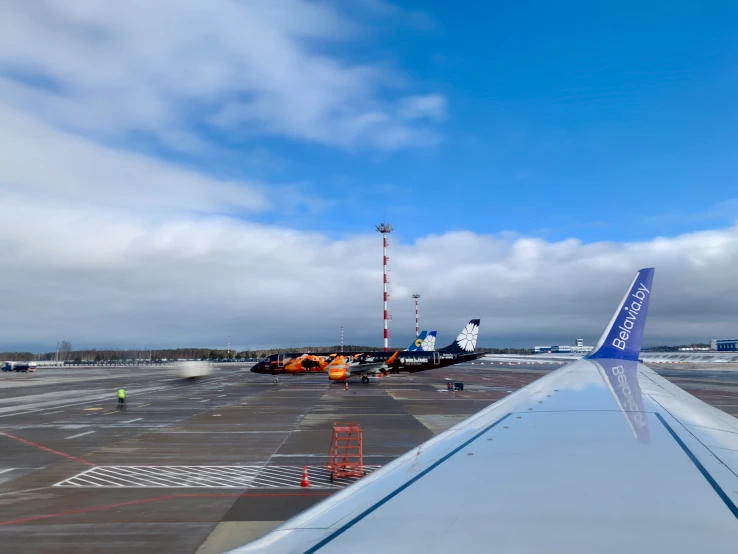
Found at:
[156, 499]
[24, 441]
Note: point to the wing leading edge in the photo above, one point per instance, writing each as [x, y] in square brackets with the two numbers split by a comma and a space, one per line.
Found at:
[602, 455]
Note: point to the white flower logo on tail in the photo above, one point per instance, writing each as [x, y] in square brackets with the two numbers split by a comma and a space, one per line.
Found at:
[467, 339]
[429, 344]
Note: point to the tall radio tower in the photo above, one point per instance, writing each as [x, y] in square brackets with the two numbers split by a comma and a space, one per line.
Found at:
[417, 319]
[385, 229]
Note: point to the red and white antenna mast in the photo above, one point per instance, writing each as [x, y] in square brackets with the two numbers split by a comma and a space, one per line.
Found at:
[417, 319]
[341, 338]
[385, 229]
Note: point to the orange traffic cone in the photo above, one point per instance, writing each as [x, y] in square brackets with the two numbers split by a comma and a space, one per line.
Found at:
[346, 387]
[305, 481]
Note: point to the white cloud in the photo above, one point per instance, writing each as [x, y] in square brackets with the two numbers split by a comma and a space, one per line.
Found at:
[99, 276]
[431, 106]
[262, 66]
[40, 160]
[104, 246]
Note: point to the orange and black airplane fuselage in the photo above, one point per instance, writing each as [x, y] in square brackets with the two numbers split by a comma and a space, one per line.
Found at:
[405, 361]
[341, 365]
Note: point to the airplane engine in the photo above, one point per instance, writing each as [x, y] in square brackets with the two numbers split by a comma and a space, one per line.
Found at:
[339, 374]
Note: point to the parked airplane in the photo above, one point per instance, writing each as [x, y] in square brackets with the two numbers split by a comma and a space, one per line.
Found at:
[601, 456]
[310, 363]
[461, 350]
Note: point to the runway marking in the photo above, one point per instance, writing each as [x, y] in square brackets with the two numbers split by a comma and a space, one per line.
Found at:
[23, 491]
[94, 398]
[313, 455]
[113, 412]
[93, 409]
[142, 405]
[24, 441]
[51, 413]
[206, 400]
[159, 499]
[80, 434]
[132, 420]
[208, 477]
[6, 470]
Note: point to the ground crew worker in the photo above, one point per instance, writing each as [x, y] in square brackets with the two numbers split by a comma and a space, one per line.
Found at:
[122, 399]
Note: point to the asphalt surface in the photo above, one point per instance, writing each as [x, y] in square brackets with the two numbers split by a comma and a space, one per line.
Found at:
[209, 465]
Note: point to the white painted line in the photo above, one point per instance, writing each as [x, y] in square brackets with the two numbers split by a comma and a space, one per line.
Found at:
[81, 434]
[208, 432]
[107, 481]
[213, 477]
[114, 480]
[132, 420]
[184, 478]
[80, 479]
[51, 413]
[323, 456]
[6, 470]
[51, 404]
[135, 477]
[206, 400]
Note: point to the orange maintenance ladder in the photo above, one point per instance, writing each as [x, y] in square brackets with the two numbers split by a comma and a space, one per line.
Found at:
[345, 456]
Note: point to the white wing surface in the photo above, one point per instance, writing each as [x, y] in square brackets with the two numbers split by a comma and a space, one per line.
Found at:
[600, 456]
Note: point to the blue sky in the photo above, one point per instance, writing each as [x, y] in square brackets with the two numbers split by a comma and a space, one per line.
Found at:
[576, 120]
[200, 170]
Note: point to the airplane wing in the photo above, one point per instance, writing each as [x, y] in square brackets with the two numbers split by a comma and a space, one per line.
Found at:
[600, 456]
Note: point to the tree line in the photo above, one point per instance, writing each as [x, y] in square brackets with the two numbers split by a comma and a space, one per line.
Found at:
[66, 353]
[115, 355]
[675, 348]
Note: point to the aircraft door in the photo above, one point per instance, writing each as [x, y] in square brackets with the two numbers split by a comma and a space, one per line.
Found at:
[280, 360]
[436, 357]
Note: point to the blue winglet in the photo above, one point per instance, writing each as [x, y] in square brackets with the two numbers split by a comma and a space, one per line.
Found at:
[624, 334]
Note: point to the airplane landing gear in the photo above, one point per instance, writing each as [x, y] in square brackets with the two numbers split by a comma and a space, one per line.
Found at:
[275, 380]
[364, 379]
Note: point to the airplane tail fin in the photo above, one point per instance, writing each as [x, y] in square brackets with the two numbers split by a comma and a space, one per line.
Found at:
[429, 344]
[623, 336]
[466, 341]
[416, 344]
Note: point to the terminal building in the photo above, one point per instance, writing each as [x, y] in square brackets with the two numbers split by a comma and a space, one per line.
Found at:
[578, 348]
[725, 345]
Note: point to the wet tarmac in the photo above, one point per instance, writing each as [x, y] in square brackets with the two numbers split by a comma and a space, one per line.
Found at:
[209, 465]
